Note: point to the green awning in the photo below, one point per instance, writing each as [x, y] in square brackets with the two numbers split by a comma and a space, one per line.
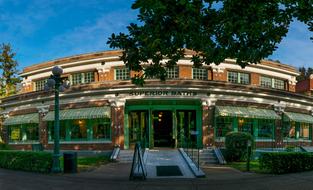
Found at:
[299, 117]
[82, 113]
[22, 119]
[246, 112]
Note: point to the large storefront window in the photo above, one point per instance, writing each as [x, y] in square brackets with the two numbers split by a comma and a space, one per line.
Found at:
[296, 130]
[186, 127]
[138, 126]
[246, 125]
[23, 133]
[223, 126]
[265, 129]
[83, 130]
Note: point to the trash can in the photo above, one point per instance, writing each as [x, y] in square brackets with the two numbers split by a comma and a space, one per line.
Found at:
[70, 162]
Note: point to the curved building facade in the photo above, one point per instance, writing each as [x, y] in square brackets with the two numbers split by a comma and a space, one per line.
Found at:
[196, 106]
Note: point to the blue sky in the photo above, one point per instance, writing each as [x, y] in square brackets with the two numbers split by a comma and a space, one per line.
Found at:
[42, 30]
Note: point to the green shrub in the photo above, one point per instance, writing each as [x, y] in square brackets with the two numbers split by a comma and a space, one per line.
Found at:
[4, 146]
[236, 145]
[26, 161]
[286, 162]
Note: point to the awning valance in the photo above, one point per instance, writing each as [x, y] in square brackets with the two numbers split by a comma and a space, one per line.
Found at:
[245, 112]
[299, 117]
[82, 113]
[22, 119]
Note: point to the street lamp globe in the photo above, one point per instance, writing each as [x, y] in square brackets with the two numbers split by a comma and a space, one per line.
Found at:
[57, 71]
[51, 83]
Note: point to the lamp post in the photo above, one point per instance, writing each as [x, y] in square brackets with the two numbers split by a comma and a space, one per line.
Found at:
[56, 82]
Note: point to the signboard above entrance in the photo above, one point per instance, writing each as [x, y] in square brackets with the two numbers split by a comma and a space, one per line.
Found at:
[162, 93]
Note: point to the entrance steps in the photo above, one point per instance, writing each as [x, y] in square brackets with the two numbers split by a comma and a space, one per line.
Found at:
[206, 156]
[125, 156]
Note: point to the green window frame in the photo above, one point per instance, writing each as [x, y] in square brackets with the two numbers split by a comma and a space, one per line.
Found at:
[82, 130]
[297, 131]
[40, 84]
[76, 78]
[89, 77]
[82, 78]
[121, 74]
[223, 125]
[199, 73]
[269, 82]
[266, 82]
[239, 78]
[265, 129]
[279, 84]
[23, 133]
[172, 73]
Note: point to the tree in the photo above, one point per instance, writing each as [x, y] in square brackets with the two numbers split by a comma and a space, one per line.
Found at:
[304, 73]
[9, 77]
[245, 30]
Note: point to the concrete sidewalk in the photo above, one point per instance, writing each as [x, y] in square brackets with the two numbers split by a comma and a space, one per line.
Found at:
[115, 176]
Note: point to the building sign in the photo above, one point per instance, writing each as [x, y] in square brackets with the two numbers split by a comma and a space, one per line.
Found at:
[162, 93]
[15, 134]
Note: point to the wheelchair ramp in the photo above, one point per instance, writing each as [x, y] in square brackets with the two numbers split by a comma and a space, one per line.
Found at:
[166, 164]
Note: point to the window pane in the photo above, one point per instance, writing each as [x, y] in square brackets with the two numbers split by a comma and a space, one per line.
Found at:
[304, 131]
[265, 129]
[266, 82]
[172, 73]
[89, 77]
[25, 132]
[244, 78]
[223, 126]
[79, 130]
[199, 73]
[279, 84]
[76, 78]
[102, 129]
[233, 77]
[122, 74]
[245, 125]
[39, 85]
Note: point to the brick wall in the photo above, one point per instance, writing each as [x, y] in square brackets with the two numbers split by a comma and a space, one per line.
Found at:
[185, 72]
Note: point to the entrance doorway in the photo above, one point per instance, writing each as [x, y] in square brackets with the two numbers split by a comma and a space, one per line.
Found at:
[163, 129]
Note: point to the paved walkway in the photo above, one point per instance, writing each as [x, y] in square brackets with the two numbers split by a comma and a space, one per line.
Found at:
[115, 176]
[166, 158]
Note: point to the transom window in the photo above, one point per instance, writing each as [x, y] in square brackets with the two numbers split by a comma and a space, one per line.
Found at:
[199, 73]
[240, 78]
[39, 85]
[172, 73]
[122, 74]
[83, 78]
[269, 82]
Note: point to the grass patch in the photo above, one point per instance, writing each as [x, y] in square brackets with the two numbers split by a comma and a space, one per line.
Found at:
[88, 163]
[242, 166]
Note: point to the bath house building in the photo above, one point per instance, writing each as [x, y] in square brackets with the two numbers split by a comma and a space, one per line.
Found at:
[198, 106]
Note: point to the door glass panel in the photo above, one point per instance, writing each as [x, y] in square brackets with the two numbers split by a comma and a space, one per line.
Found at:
[186, 128]
[138, 127]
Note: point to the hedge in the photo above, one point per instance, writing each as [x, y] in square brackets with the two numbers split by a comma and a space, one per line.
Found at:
[26, 161]
[236, 145]
[286, 162]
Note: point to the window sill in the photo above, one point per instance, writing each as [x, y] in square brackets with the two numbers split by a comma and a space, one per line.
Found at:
[83, 142]
[297, 140]
[20, 143]
[264, 140]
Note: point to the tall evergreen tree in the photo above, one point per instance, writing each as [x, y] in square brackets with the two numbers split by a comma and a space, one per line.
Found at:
[8, 64]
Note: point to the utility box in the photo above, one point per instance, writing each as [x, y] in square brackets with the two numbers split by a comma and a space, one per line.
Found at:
[70, 162]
